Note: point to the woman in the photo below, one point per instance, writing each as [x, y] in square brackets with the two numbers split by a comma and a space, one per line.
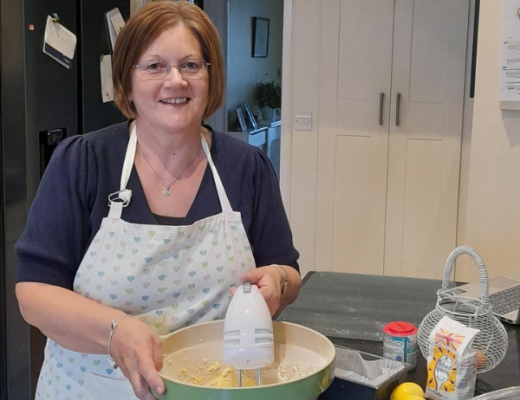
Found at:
[156, 218]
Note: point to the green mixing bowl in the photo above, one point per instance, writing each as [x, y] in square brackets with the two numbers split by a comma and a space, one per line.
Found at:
[194, 348]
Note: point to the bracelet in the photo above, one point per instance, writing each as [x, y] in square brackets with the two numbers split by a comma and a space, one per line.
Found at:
[284, 277]
[113, 327]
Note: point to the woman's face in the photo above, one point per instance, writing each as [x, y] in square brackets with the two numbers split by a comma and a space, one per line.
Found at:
[172, 103]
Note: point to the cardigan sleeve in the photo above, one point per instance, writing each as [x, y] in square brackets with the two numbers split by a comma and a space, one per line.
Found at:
[52, 245]
[270, 233]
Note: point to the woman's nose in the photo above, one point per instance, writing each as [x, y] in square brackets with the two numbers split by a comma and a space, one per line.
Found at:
[175, 77]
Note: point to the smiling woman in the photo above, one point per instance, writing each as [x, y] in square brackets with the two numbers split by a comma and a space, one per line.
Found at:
[150, 24]
[164, 100]
[190, 214]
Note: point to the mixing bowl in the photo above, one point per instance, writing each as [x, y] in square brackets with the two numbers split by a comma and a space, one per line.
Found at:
[304, 357]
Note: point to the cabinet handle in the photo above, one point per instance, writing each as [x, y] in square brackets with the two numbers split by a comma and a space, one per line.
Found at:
[381, 104]
[398, 110]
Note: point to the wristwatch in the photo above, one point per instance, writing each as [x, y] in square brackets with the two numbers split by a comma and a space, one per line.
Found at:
[284, 277]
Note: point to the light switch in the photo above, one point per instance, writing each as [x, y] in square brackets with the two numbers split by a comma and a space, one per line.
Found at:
[303, 122]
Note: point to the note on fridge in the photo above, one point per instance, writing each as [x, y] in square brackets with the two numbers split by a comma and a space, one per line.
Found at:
[59, 43]
[107, 88]
[115, 23]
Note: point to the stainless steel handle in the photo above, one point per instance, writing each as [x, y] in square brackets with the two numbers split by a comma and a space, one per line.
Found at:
[381, 104]
[398, 110]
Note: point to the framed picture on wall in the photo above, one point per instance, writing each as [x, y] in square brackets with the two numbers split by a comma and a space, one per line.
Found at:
[260, 37]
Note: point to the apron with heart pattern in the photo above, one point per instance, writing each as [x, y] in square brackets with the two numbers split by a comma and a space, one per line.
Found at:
[168, 277]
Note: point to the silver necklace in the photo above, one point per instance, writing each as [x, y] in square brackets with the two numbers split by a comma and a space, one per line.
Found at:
[166, 192]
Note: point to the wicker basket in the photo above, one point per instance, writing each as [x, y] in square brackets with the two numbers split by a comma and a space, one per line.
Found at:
[491, 341]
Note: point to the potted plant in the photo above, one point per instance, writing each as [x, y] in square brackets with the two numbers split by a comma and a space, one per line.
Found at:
[268, 94]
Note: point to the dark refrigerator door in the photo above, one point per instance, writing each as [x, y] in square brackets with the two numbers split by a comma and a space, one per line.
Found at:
[95, 42]
[52, 113]
[14, 334]
[3, 341]
[52, 90]
[38, 96]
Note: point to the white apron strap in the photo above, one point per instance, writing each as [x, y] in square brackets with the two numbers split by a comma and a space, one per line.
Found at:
[129, 159]
[121, 199]
[222, 196]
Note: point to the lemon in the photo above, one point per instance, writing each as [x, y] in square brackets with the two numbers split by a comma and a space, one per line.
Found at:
[405, 390]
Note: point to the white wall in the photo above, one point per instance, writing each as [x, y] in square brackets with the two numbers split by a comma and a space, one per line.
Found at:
[493, 195]
[244, 71]
[304, 84]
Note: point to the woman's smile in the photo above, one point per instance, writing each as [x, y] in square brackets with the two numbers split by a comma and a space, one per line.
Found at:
[178, 100]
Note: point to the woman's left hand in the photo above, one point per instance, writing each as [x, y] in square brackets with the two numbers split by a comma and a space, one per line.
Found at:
[269, 281]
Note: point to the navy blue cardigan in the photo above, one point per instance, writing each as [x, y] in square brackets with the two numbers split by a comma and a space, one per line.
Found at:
[72, 199]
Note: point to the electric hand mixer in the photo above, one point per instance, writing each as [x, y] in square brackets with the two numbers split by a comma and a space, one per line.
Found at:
[248, 332]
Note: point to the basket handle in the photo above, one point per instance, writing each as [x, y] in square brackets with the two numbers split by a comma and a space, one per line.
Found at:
[484, 280]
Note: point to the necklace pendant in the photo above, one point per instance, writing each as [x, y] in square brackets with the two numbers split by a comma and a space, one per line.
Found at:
[166, 192]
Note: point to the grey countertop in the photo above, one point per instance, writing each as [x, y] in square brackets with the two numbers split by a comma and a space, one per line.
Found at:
[352, 309]
[358, 306]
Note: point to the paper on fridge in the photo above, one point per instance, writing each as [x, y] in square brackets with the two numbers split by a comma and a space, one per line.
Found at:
[107, 87]
[59, 43]
[115, 23]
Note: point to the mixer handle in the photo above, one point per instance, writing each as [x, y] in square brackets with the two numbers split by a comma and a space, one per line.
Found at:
[484, 280]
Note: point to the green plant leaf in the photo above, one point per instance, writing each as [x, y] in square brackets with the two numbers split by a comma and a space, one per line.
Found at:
[268, 94]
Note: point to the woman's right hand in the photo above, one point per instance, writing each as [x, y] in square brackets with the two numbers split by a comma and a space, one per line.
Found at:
[137, 350]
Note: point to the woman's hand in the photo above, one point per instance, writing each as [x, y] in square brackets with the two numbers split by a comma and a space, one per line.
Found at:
[269, 280]
[137, 350]
[82, 325]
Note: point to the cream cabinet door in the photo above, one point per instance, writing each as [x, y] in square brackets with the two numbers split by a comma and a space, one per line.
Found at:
[356, 65]
[387, 194]
[428, 72]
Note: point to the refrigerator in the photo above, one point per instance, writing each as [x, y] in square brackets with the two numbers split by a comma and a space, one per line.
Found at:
[41, 103]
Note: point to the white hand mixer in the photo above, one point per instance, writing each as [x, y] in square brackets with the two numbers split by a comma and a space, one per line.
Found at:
[248, 332]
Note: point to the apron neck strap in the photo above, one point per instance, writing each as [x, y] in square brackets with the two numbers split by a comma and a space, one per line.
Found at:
[222, 196]
[129, 159]
[129, 162]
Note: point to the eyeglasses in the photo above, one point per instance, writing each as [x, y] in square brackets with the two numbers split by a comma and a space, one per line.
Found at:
[156, 69]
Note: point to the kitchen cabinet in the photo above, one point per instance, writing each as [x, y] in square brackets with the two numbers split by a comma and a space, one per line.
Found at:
[391, 101]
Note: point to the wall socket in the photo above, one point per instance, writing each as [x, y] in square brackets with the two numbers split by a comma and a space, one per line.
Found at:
[303, 122]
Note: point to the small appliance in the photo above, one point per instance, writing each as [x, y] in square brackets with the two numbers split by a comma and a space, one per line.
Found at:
[248, 332]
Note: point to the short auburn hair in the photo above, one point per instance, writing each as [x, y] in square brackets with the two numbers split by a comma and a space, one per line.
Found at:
[146, 25]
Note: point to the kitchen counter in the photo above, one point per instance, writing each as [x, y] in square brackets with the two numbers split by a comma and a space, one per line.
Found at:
[352, 309]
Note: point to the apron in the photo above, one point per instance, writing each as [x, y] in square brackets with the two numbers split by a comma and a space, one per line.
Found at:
[168, 277]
